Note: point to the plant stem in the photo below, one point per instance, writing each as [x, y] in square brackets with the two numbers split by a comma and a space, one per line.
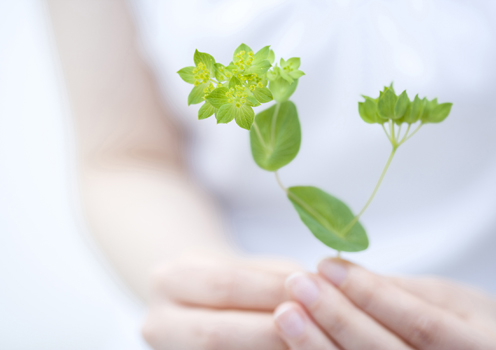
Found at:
[280, 183]
[357, 217]
[413, 133]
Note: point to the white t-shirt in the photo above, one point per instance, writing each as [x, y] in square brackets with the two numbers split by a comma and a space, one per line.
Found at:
[435, 212]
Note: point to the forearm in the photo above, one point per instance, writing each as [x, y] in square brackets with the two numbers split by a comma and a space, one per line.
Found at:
[139, 203]
[141, 216]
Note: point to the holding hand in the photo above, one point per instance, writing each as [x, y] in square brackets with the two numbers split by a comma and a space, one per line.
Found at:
[205, 302]
[347, 307]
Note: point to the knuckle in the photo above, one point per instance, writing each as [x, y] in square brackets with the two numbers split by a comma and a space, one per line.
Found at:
[213, 336]
[221, 286]
[160, 278]
[337, 324]
[423, 330]
[364, 289]
[369, 292]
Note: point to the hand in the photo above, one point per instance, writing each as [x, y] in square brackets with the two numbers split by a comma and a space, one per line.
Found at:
[347, 307]
[206, 302]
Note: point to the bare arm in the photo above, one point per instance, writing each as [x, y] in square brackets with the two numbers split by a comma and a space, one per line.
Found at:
[140, 204]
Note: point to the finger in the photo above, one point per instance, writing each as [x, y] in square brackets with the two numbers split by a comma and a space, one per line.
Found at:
[463, 301]
[422, 325]
[217, 284]
[298, 330]
[184, 328]
[338, 317]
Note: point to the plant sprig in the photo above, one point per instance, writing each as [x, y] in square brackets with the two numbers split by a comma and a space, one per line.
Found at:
[252, 79]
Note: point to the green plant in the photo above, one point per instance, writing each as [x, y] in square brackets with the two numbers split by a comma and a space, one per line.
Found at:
[251, 79]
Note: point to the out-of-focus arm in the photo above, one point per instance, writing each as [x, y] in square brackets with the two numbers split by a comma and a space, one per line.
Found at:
[139, 202]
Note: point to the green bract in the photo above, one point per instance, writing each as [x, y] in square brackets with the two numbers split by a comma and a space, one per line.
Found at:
[389, 106]
[252, 79]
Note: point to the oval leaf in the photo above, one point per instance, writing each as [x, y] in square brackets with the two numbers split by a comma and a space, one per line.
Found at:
[275, 136]
[244, 116]
[206, 110]
[386, 104]
[281, 89]
[263, 95]
[218, 97]
[368, 111]
[327, 217]
[196, 95]
[187, 74]
[206, 59]
[262, 54]
[440, 112]
[413, 114]
[401, 105]
[225, 113]
[242, 47]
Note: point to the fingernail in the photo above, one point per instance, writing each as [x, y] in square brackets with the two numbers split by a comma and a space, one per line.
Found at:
[289, 321]
[302, 288]
[334, 271]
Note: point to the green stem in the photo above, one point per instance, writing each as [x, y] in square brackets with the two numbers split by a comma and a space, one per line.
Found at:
[280, 183]
[357, 217]
[385, 131]
[413, 133]
[406, 134]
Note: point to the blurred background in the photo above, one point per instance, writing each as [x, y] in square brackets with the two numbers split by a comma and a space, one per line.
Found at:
[63, 282]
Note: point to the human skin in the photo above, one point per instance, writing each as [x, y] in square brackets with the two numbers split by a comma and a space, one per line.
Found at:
[139, 201]
[347, 307]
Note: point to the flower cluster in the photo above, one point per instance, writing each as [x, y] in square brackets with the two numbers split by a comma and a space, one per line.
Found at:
[397, 110]
[230, 92]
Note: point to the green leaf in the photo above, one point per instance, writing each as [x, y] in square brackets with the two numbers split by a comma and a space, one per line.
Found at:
[272, 57]
[262, 54]
[218, 98]
[293, 62]
[281, 89]
[196, 95]
[412, 115]
[252, 101]
[401, 105]
[440, 112]
[233, 82]
[259, 68]
[187, 74]
[368, 111]
[226, 113]
[240, 48]
[296, 74]
[244, 116]
[285, 75]
[207, 60]
[206, 110]
[386, 104]
[275, 136]
[219, 68]
[426, 109]
[327, 217]
[263, 95]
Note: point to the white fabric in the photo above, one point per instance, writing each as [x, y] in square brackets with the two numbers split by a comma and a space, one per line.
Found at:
[435, 212]
[54, 292]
